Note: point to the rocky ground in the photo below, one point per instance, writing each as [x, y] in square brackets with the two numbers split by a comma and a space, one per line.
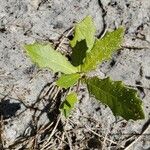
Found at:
[29, 105]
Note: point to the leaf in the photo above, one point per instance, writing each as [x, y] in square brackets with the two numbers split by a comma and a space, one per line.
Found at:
[66, 81]
[46, 57]
[84, 30]
[103, 49]
[123, 101]
[68, 104]
[83, 40]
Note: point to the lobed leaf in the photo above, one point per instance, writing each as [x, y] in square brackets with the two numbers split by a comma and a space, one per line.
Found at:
[66, 81]
[84, 30]
[46, 57]
[103, 49]
[83, 40]
[123, 101]
[68, 104]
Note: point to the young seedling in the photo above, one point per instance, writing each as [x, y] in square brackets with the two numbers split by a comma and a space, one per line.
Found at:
[87, 53]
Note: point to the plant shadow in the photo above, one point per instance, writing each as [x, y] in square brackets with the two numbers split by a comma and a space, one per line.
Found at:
[8, 109]
[79, 53]
[50, 108]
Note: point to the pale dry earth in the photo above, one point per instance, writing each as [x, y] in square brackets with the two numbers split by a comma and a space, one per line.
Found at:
[26, 111]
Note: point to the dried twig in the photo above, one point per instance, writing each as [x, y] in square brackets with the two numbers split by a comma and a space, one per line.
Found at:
[136, 140]
[64, 38]
[104, 142]
[69, 141]
[63, 135]
[88, 128]
[61, 139]
[46, 144]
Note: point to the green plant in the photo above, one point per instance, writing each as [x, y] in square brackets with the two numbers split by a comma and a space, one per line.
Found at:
[87, 52]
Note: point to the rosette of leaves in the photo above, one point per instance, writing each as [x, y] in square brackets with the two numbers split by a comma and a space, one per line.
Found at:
[87, 53]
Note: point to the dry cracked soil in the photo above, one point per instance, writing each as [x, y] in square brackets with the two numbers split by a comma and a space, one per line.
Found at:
[29, 101]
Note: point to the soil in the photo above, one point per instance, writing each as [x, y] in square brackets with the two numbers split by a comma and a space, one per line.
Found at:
[29, 105]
